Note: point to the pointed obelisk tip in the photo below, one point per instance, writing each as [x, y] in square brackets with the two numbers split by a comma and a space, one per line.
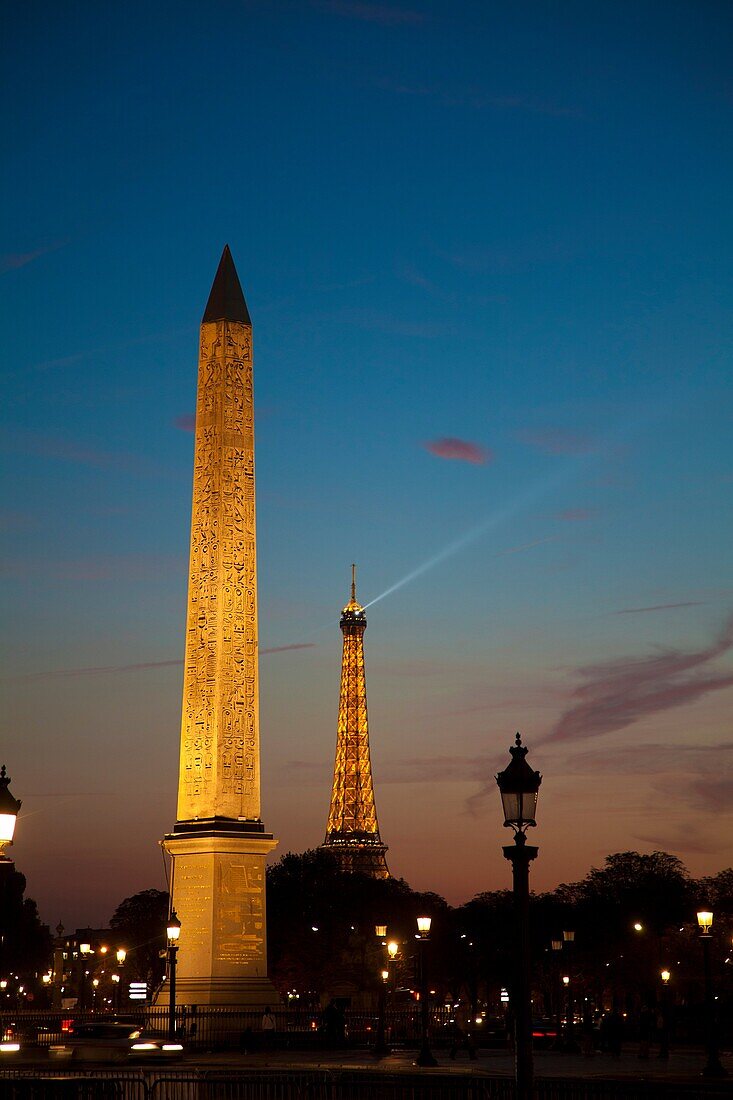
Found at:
[226, 301]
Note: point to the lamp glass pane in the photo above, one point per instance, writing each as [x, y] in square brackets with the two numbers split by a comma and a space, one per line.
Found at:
[7, 827]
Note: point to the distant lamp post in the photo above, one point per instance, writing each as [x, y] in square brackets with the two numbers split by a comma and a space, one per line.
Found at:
[556, 946]
[121, 955]
[663, 1055]
[380, 1049]
[425, 1055]
[9, 809]
[638, 926]
[570, 1045]
[392, 949]
[173, 931]
[713, 1066]
[519, 785]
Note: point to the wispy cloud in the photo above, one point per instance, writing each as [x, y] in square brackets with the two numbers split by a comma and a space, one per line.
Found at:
[68, 450]
[528, 545]
[460, 449]
[386, 15]
[615, 694]
[142, 666]
[577, 515]
[659, 607]
[376, 321]
[287, 648]
[686, 838]
[186, 422]
[557, 441]
[11, 261]
[476, 98]
[93, 568]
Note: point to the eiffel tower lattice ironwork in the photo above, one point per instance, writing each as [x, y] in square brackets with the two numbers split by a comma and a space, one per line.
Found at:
[352, 833]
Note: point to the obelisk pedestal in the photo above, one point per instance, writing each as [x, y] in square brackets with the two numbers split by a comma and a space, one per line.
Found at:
[219, 845]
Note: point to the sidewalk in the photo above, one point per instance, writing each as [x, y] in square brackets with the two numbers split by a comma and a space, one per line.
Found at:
[684, 1065]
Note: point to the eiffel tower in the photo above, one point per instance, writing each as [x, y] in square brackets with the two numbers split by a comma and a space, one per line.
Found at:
[352, 833]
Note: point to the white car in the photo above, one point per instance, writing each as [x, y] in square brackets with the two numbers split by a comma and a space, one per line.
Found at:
[114, 1041]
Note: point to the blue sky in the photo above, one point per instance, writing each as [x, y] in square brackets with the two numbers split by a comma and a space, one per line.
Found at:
[493, 231]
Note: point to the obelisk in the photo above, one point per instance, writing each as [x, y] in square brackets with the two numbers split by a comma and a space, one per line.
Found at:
[218, 845]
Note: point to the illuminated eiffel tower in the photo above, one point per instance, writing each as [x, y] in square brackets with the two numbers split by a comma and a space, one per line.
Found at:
[352, 833]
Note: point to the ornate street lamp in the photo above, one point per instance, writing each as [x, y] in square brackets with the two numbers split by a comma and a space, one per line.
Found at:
[381, 1049]
[713, 1066]
[173, 931]
[425, 1055]
[9, 808]
[519, 786]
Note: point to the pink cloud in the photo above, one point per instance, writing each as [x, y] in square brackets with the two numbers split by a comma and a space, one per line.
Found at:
[186, 422]
[384, 14]
[615, 694]
[577, 515]
[556, 441]
[459, 449]
[11, 261]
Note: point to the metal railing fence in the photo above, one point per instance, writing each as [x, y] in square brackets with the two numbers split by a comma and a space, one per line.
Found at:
[329, 1084]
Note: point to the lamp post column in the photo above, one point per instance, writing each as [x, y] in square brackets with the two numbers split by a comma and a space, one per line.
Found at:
[425, 1055]
[520, 854]
[664, 1014]
[380, 1046]
[557, 993]
[173, 931]
[713, 1066]
[172, 959]
[519, 785]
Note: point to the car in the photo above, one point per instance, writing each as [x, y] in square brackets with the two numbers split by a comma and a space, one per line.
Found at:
[544, 1034]
[114, 1041]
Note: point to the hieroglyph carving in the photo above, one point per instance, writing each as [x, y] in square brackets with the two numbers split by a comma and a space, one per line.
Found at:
[219, 773]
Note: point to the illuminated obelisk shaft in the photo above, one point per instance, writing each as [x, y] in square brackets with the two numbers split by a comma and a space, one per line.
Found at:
[219, 845]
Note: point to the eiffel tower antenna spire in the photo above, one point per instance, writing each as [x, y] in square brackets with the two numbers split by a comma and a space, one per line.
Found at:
[352, 833]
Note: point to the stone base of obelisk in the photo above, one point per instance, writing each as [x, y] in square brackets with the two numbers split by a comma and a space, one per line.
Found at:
[218, 888]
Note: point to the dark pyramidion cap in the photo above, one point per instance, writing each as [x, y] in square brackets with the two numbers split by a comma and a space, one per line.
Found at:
[226, 300]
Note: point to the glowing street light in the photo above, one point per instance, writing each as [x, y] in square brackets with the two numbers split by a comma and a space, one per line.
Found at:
[705, 921]
[380, 930]
[392, 948]
[665, 976]
[638, 926]
[121, 955]
[9, 809]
